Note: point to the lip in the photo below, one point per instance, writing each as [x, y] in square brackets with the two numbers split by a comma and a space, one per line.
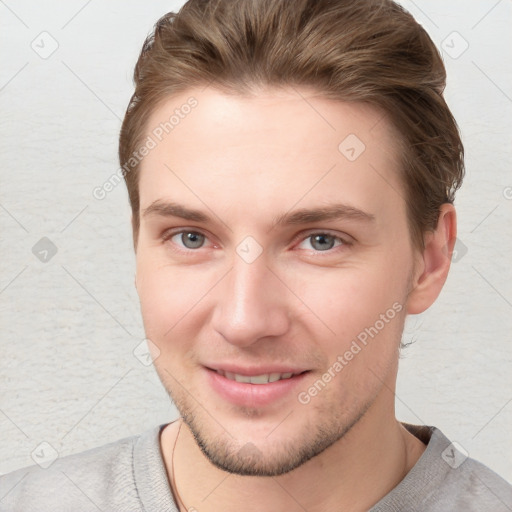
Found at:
[253, 395]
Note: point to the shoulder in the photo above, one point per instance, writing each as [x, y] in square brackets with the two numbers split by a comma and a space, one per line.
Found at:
[445, 478]
[458, 482]
[81, 482]
[474, 487]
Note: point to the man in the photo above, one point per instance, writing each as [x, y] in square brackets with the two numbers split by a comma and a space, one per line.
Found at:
[291, 168]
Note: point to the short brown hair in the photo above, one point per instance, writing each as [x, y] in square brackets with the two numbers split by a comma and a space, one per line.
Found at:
[370, 51]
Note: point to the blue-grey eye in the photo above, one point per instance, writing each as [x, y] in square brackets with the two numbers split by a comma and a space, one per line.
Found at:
[192, 240]
[322, 241]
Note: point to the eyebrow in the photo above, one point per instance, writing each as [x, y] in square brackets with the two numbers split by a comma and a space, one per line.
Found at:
[302, 216]
[331, 212]
[168, 209]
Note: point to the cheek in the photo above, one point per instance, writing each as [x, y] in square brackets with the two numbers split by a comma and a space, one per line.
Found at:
[362, 303]
[365, 316]
[168, 295]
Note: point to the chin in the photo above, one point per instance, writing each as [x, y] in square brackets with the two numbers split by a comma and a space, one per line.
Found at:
[265, 456]
[249, 460]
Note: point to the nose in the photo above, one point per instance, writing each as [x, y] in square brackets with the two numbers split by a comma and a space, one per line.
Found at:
[251, 304]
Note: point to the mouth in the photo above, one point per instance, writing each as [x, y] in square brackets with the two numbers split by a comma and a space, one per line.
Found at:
[264, 378]
[255, 388]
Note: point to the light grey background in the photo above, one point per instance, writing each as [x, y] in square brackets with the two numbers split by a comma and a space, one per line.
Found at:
[70, 325]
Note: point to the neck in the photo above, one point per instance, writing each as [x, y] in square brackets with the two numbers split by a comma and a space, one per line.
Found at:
[354, 473]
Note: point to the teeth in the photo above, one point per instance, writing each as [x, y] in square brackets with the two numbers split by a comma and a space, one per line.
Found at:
[242, 378]
[265, 378]
[259, 379]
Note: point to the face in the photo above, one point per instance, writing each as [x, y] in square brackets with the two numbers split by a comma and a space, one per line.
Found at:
[273, 267]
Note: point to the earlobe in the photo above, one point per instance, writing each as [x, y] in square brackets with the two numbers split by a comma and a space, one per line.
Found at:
[435, 262]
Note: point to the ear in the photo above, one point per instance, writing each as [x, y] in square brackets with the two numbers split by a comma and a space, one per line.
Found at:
[433, 264]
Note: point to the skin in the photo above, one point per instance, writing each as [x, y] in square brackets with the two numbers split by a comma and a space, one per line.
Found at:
[245, 162]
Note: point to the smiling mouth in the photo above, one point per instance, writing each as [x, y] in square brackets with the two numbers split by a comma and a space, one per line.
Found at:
[264, 378]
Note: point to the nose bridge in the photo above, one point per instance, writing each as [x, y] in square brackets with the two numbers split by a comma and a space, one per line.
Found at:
[249, 284]
[250, 306]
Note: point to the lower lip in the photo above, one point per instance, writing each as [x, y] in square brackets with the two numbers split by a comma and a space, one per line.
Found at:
[252, 395]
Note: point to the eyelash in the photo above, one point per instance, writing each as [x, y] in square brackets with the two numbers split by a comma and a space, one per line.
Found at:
[343, 242]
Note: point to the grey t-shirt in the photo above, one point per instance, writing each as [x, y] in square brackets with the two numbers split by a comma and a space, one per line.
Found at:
[129, 475]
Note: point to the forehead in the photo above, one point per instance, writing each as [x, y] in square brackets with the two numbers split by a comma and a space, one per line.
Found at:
[269, 151]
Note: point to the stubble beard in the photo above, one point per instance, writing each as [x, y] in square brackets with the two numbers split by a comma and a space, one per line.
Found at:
[245, 458]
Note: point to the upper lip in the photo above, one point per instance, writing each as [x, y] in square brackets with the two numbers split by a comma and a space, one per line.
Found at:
[252, 371]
